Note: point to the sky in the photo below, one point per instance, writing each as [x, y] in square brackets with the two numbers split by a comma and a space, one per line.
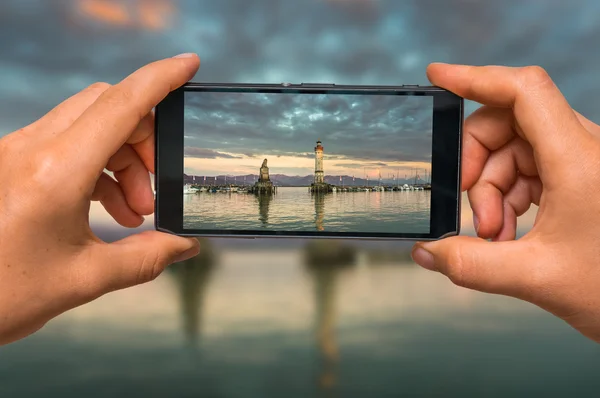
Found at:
[231, 133]
[50, 49]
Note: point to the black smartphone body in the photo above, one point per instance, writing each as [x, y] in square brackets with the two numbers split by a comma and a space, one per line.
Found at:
[308, 160]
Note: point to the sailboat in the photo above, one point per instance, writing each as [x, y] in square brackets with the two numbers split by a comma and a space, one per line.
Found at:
[379, 188]
[188, 189]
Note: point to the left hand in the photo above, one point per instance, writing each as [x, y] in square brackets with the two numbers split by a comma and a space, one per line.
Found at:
[50, 171]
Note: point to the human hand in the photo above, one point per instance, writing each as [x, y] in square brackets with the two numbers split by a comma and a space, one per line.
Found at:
[50, 171]
[525, 145]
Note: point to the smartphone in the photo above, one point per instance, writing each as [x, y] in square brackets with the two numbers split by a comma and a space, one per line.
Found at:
[308, 160]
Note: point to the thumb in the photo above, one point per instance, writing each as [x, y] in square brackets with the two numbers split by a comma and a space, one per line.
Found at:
[140, 258]
[492, 267]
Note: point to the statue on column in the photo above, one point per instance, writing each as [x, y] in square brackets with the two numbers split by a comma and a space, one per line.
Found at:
[264, 172]
[264, 184]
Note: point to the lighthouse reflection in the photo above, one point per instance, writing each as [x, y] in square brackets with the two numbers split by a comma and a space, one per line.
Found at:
[192, 278]
[325, 262]
[319, 199]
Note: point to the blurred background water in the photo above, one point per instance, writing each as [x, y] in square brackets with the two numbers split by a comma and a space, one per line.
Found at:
[298, 318]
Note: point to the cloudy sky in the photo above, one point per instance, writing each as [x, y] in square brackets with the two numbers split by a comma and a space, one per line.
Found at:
[50, 49]
[231, 133]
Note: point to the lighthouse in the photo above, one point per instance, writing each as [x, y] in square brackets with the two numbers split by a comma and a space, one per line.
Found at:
[320, 186]
[319, 175]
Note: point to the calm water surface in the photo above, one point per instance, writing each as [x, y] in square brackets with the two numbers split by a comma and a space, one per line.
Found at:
[274, 323]
[296, 209]
[289, 318]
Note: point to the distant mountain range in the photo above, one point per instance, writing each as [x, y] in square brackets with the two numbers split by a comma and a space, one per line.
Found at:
[283, 180]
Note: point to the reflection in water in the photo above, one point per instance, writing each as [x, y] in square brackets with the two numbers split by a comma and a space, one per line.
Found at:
[296, 209]
[264, 200]
[324, 262]
[319, 198]
[396, 327]
[192, 278]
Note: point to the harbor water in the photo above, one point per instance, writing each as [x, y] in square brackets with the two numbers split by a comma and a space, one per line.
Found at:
[296, 209]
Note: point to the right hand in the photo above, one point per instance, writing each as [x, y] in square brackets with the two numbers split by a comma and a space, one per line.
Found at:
[526, 145]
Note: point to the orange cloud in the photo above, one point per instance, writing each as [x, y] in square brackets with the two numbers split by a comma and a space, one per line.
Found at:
[145, 14]
[106, 11]
[155, 14]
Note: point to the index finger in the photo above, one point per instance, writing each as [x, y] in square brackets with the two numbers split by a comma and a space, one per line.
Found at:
[542, 113]
[110, 121]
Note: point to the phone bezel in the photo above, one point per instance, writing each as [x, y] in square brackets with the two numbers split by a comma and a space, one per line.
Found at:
[445, 169]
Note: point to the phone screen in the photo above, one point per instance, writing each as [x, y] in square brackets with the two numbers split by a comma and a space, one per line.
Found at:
[342, 163]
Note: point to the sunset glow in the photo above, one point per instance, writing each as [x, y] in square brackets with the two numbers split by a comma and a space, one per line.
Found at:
[146, 14]
[301, 166]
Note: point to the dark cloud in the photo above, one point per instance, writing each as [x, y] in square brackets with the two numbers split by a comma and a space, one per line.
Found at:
[49, 49]
[370, 127]
[203, 153]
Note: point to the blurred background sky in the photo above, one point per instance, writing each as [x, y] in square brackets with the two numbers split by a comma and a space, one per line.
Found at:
[49, 49]
[286, 317]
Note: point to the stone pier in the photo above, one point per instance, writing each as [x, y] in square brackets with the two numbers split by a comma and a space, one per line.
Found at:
[263, 185]
[321, 187]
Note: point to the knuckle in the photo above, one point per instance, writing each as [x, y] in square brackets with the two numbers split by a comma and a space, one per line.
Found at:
[118, 95]
[456, 266]
[45, 172]
[151, 266]
[42, 164]
[99, 87]
[532, 76]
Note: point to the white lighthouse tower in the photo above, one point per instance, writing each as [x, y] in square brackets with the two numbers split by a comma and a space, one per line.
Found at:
[319, 175]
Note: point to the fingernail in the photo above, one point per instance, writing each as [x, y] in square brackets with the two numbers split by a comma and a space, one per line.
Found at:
[423, 258]
[186, 255]
[476, 223]
[186, 55]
